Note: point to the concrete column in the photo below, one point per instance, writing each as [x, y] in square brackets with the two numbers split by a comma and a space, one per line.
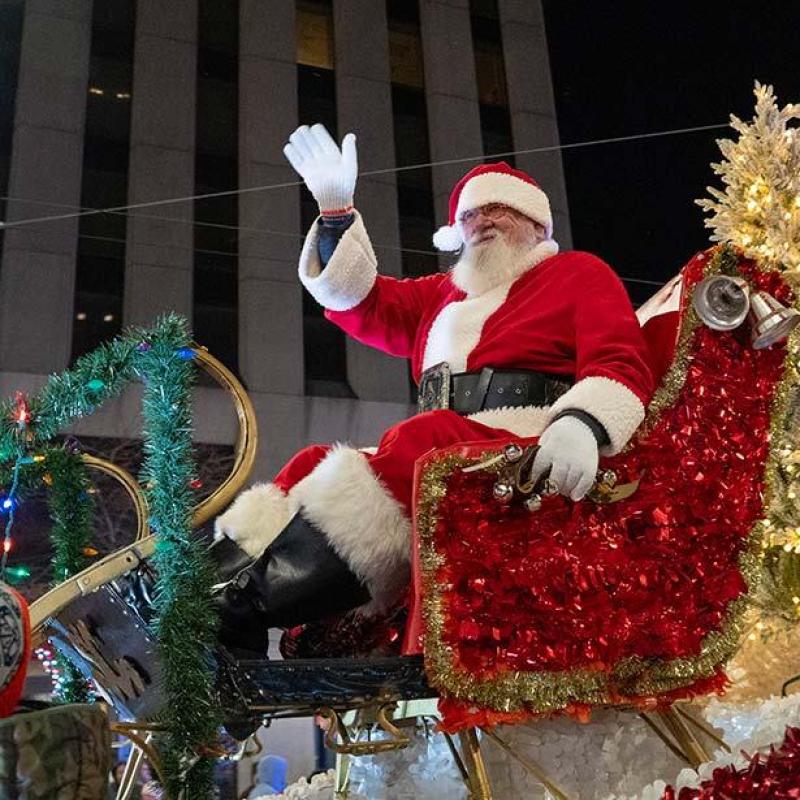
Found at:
[270, 295]
[532, 104]
[159, 259]
[452, 93]
[37, 280]
[364, 106]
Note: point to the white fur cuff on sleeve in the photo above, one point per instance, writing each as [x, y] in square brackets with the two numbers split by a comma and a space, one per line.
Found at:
[349, 275]
[611, 403]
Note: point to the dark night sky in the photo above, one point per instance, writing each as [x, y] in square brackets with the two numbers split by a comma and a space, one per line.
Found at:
[635, 67]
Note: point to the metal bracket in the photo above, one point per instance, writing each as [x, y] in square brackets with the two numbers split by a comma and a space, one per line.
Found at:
[337, 737]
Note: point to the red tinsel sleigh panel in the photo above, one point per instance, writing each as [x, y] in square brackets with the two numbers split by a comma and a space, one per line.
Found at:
[580, 604]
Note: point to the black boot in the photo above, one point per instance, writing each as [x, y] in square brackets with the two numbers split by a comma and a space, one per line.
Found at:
[298, 578]
[228, 558]
[138, 588]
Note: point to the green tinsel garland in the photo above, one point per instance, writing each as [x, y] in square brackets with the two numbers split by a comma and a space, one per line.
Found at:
[185, 624]
[71, 507]
[185, 573]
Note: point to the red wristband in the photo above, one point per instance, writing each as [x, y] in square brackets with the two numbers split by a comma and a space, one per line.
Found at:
[336, 212]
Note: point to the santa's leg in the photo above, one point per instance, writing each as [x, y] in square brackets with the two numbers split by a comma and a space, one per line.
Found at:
[258, 515]
[346, 544]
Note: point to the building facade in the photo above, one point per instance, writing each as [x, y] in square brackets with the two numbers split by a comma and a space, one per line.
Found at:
[137, 105]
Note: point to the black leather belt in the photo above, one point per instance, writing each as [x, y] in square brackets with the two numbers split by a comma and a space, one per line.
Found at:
[469, 392]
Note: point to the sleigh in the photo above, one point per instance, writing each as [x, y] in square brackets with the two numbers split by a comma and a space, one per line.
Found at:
[524, 604]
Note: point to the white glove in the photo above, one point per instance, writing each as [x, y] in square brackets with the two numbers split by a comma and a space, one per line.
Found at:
[329, 173]
[569, 447]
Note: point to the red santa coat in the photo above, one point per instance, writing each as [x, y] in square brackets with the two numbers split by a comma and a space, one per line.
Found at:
[562, 314]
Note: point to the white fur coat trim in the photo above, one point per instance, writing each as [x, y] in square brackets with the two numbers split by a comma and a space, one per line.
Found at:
[350, 274]
[362, 521]
[611, 403]
[457, 328]
[523, 421]
[256, 517]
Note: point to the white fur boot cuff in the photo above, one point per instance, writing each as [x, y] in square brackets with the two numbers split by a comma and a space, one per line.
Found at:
[255, 518]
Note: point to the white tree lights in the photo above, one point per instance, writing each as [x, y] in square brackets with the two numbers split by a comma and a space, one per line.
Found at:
[759, 209]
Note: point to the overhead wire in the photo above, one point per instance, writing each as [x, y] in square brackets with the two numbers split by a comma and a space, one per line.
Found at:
[217, 225]
[366, 173]
[80, 211]
[223, 226]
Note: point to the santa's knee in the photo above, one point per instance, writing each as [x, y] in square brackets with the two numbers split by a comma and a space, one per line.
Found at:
[423, 431]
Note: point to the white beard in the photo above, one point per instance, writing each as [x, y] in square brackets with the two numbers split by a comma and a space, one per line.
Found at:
[497, 262]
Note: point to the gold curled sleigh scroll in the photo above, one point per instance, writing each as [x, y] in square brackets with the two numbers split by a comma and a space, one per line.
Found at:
[513, 466]
[129, 557]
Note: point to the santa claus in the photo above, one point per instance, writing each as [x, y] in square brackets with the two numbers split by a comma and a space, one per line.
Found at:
[516, 340]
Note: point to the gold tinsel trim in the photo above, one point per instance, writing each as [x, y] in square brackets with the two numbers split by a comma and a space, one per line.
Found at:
[544, 692]
[718, 259]
[780, 583]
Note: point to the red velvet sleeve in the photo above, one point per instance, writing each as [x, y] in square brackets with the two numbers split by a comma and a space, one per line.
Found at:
[389, 316]
[609, 340]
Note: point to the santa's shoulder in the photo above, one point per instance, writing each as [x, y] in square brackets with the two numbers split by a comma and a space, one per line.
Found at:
[580, 265]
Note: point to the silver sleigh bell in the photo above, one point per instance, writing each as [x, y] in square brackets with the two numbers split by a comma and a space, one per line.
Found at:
[771, 321]
[724, 302]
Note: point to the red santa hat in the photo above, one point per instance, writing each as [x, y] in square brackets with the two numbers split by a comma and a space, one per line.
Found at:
[494, 183]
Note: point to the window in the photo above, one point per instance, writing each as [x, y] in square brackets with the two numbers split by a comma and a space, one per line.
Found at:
[315, 34]
[487, 43]
[10, 40]
[324, 344]
[412, 146]
[414, 186]
[496, 133]
[405, 55]
[491, 75]
[98, 305]
[215, 317]
[410, 117]
[100, 267]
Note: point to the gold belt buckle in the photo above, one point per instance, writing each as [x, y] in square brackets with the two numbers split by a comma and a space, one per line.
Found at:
[434, 388]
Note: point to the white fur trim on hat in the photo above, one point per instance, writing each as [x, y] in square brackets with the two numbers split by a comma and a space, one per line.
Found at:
[448, 238]
[361, 520]
[256, 517]
[499, 187]
[350, 273]
[611, 403]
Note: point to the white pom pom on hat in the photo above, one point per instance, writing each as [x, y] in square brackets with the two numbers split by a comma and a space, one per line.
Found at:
[447, 238]
[494, 183]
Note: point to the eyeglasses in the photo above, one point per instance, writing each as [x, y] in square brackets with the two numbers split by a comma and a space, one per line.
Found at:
[492, 211]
